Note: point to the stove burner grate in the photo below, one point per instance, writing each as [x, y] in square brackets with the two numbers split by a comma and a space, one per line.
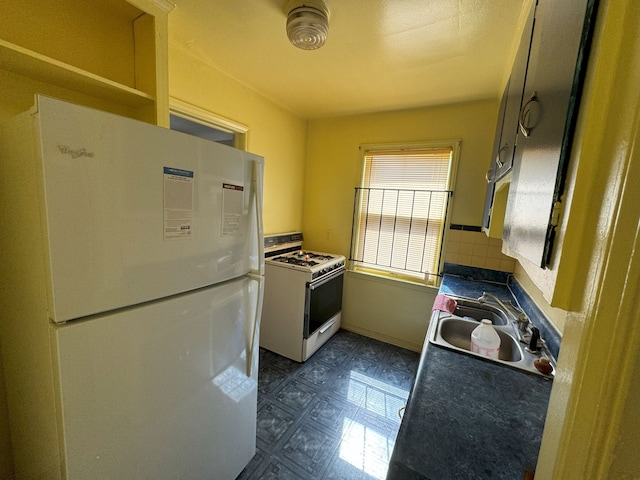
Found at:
[303, 262]
[318, 256]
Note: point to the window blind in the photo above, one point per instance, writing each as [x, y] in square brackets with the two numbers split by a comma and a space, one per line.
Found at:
[401, 211]
[417, 170]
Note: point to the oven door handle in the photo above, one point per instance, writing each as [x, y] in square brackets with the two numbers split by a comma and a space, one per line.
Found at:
[326, 327]
[336, 273]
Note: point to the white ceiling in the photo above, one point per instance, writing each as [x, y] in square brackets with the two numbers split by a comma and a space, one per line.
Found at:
[380, 54]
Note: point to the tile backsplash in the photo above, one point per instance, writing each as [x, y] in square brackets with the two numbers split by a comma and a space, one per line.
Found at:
[468, 246]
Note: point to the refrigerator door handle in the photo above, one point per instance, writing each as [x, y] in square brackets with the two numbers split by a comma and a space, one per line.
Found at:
[257, 193]
[256, 322]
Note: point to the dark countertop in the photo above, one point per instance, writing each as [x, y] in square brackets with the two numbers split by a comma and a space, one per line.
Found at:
[467, 417]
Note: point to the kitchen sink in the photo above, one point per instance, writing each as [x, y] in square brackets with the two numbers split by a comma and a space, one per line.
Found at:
[457, 333]
[453, 331]
[477, 311]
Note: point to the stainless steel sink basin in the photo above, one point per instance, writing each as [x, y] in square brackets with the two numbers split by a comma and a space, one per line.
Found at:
[453, 331]
[477, 311]
[457, 332]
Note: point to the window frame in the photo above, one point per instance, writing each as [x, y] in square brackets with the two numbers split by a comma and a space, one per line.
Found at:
[366, 150]
[196, 114]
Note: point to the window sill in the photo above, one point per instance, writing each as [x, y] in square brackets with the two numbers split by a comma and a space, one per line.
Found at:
[390, 280]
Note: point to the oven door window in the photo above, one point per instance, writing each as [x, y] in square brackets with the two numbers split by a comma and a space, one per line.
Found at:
[323, 301]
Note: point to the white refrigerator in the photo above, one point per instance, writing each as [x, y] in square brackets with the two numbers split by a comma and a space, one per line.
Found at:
[132, 267]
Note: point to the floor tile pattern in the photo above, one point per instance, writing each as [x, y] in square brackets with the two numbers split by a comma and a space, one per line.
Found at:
[334, 416]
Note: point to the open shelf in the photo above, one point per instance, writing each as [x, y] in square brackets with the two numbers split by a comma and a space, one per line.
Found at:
[40, 67]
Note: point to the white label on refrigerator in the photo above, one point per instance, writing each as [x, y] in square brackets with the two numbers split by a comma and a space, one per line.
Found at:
[178, 203]
[232, 202]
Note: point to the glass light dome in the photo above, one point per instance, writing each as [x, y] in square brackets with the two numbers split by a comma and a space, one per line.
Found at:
[307, 26]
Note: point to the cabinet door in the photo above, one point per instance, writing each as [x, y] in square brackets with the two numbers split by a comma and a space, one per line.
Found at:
[503, 158]
[559, 51]
[507, 127]
[491, 174]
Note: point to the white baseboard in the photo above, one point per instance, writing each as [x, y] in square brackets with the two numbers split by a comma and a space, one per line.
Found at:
[383, 338]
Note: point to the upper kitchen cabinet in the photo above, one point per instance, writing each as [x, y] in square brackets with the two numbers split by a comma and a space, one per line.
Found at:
[505, 138]
[491, 173]
[110, 54]
[546, 122]
[504, 148]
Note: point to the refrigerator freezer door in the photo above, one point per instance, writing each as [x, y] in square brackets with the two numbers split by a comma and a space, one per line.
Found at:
[136, 212]
[160, 391]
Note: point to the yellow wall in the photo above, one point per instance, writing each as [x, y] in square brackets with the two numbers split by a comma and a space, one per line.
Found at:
[387, 310]
[334, 164]
[6, 460]
[274, 133]
[557, 316]
[383, 309]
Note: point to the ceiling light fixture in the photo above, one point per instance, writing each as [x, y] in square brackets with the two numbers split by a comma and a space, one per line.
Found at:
[308, 24]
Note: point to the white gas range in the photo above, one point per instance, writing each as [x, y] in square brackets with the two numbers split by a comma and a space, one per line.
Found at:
[303, 297]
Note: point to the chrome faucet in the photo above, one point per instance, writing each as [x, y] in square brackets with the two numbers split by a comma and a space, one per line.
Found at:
[522, 320]
[525, 330]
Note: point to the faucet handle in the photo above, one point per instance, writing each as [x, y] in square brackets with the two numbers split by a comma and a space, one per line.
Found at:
[533, 342]
[523, 322]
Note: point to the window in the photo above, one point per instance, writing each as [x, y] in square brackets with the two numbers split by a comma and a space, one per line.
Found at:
[201, 130]
[400, 211]
[195, 121]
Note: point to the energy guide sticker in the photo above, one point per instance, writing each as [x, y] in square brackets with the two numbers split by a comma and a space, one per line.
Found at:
[232, 202]
[178, 203]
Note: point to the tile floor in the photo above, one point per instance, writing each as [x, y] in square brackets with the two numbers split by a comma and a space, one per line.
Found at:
[334, 416]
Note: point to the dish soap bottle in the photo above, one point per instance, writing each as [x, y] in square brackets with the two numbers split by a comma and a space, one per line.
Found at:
[485, 340]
